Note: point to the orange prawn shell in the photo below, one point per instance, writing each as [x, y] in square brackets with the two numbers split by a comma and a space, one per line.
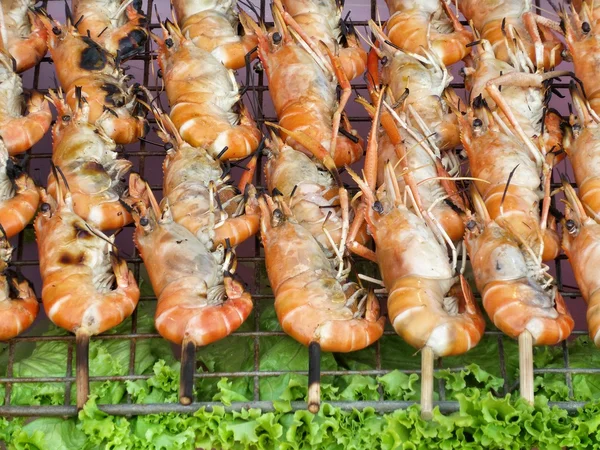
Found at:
[514, 302]
[308, 104]
[182, 270]
[82, 63]
[409, 27]
[213, 28]
[67, 261]
[16, 314]
[86, 156]
[309, 301]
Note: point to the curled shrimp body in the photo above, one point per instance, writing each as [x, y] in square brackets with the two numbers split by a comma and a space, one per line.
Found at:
[581, 243]
[501, 21]
[117, 25]
[418, 130]
[309, 105]
[518, 293]
[427, 304]
[204, 98]
[20, 126]
[582, 144]
[22, 33]
[417, 25]
[96, 176]
[212, 25]
[582, 36]
[513, 179]
[83, 65]
[18, 303]
[200, 199]
[321, 21]
[313, 302]
[87, 288]
[19, 196]
[199, 301]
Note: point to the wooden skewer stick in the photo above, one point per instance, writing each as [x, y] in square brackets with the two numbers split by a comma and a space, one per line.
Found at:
[427, 360]
[187, 371]
[82, 366]
[526, 365]
[314, 377]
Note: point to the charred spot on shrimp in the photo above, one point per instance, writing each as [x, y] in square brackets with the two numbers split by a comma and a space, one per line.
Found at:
[68, 259]
[93, 57]
[132, 43]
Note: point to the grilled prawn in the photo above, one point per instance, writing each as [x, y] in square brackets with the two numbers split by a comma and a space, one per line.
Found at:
[18, 303]
[199, 301]
[313, 299]
[87, 289]
[204, 97]
[19, 196]
[518, 293]
[582, 144]
[117, 25]
[581, 243]
[428, 304]
[83, 64]
[22, 33]
[513, 176]
[95, 175]
[213, 26]
[418, 25]
[303, 78]
[20, 126]
[501, 21]
[416, 133]
[200, 199]
[321, 21]
[582, 36]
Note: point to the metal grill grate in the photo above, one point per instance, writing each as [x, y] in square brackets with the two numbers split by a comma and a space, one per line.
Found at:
[145, 156]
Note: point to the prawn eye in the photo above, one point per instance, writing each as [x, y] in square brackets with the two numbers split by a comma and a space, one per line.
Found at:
[159, 73]
[378, 207]
[169, 42]
[258, 67]
[585, 27]
[144, 221]
[384, 61]
[168, 146]
[471, 224]
[576, 128]
[45, 207]
[571, 226]
[56, 31]
[276, 37]
[277, 217]
[477, 123]
[66, 118]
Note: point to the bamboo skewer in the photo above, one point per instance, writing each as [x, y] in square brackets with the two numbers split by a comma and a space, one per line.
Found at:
[187, 371]
[427, 360]
[314, 377]
[526, 365]
[82, 366]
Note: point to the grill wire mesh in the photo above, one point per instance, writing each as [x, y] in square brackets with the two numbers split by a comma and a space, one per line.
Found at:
[146, 159]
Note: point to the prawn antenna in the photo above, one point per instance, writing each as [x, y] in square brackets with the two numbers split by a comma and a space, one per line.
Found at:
[512, 172]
